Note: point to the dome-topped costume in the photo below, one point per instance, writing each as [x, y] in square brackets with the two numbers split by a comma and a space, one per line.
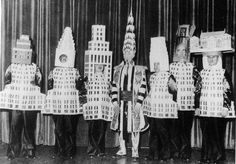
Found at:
[215, 106]
[187, 79]
[160, 104]
[63, 96]
[128, 91]
[22, 96]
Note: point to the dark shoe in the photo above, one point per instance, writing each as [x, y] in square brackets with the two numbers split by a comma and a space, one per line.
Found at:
[149, 158]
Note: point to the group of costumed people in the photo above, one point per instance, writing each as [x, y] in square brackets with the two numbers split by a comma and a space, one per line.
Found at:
[164, 100]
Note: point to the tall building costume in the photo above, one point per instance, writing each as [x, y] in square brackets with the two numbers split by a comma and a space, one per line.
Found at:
[98, 110]
[62, 99]
[160, 104]
[128, 92]
[187, 78]
[22, 97]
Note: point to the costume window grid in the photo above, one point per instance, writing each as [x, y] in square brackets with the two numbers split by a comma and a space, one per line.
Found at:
[183, 72]
[159, 103]
[64, 97]
[98, 53]
[211, 100]
[99, 104]
[21, 93]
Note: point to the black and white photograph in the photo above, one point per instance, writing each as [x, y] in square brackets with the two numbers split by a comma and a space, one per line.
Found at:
[117, 81]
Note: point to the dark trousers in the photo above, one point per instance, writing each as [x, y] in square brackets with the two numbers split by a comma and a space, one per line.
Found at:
[96, 137]
[161, 138]
[185, 122]
[22, 133]
[213, 138]
[65, 133]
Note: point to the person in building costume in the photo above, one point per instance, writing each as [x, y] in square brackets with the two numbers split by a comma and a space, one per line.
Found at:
[22, 97]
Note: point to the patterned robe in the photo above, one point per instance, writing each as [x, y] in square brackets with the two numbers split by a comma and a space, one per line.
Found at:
[128, 91]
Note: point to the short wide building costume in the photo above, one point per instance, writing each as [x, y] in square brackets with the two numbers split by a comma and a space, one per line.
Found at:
[22, 97]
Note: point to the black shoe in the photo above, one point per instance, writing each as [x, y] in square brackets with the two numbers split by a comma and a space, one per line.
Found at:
[149, 158]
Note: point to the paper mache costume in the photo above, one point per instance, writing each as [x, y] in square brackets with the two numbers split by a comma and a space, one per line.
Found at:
[98, 109]
[62, 99]
[216, 105]
[160, 104]
[128, 92]
[22, 97]
[187, 78]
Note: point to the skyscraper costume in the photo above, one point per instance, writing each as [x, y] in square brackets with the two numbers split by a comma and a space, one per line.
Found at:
[62, 99]
[22, 96]
[128, 92]
[98, 110]
[160, 104]
[215, 106]
[187, 77]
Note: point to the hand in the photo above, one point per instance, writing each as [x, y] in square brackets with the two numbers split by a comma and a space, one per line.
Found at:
[116, 109]
[225, 112]
[136, 110]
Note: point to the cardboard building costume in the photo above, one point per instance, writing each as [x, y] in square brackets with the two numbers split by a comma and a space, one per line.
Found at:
[160, 105]
[128, 91]
[187, 79]
[22, 97]
[62, 99]
[215, 105]
[98, 109]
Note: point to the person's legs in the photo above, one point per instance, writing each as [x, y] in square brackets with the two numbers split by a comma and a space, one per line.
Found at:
[185, 122]
[16, 127]
[59, 134]
[135, 143]
[28, 140]
[70, 124]
[152, 139]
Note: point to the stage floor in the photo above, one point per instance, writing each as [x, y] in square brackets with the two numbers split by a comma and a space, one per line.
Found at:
[44, 156]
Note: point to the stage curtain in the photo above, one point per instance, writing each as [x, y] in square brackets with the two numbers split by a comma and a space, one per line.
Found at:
[44, 21]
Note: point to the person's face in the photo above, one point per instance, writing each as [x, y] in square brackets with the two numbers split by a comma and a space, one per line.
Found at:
[63, 58]
[181, 52]
[128, 55]
[212, 60]
[157, 67]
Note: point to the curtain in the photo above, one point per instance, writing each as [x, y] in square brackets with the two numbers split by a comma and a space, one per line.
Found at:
[44, 21]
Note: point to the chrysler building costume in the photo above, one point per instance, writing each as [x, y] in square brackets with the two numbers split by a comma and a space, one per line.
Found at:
[22, 96]
[128, 91]
[160, 104]
[187, 78]
[98, 109]
[62, 99]
[215, 106]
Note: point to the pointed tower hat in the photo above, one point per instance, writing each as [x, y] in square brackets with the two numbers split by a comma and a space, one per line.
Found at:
[65, 52]
[129, 42]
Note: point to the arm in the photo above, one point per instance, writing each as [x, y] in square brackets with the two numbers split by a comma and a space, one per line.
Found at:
[50, 80]
[38, 77]
[198, 86]
[228, 95]
[8, 75]
[172, 87]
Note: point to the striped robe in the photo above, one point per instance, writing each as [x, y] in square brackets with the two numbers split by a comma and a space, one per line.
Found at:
[135, 82]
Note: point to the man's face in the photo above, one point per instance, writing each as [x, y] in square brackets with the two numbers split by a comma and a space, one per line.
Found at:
[128, 55]
[212, 60]
[181, 52]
